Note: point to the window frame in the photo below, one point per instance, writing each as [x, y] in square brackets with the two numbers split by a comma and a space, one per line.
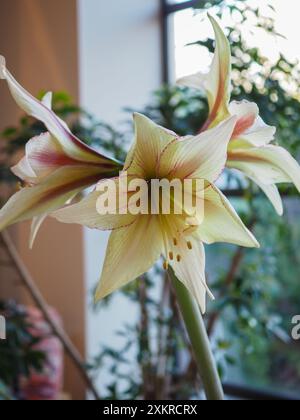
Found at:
[167, 10]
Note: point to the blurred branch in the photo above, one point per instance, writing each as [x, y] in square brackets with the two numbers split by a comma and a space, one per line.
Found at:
[145, 344]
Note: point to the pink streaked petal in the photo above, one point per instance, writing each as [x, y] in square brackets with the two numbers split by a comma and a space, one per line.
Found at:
[74, 147]
[24, 171]
[243, 124]
[43, 155]
[218, 80]
[51, 194]
[250, 126]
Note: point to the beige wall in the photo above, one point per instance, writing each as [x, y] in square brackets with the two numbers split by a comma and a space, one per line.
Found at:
[39, 40]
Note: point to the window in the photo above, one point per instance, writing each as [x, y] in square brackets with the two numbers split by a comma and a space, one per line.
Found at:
[182, 27]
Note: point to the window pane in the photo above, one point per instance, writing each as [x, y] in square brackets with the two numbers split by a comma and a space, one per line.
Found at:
[185, 28]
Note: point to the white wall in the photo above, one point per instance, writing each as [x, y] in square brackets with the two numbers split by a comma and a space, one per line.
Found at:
[120, 54]
[120, 65]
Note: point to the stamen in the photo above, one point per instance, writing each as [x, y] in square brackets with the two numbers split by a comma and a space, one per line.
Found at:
[178, 258]
[166, 265]
[171, 255]
[189, 245]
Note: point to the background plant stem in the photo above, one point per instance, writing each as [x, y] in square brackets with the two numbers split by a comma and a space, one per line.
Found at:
[199, 339]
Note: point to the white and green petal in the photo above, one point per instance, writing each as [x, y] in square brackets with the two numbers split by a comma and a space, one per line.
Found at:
[131, 252]
[36, 224]
[150, 140]
[217, 81]
[202, 157]
[272, 193]
[188, 264]
[85, 212]
[267, 166]
[271, 164]
[221, 223]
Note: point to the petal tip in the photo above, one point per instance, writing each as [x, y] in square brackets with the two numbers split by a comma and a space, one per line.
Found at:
[253, 242]
[2, 67]
[96, 298]
[256, 244]
[230, 123]
[280, 212]
[47, 100]
[214, 23]
[137, 115]
[210, 17]
[139, 118]
[202, 309]
[99, 295]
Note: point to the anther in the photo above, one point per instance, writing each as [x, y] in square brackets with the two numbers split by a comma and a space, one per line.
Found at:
[178, 258]
[175, 241]
[171, 255]
[189, 245]
[166, 265]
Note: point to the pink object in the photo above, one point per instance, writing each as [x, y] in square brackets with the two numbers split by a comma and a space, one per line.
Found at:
[45, 385]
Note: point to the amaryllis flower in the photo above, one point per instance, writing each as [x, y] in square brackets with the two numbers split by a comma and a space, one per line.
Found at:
[138, 240]
[56, 166]
[250, 150]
